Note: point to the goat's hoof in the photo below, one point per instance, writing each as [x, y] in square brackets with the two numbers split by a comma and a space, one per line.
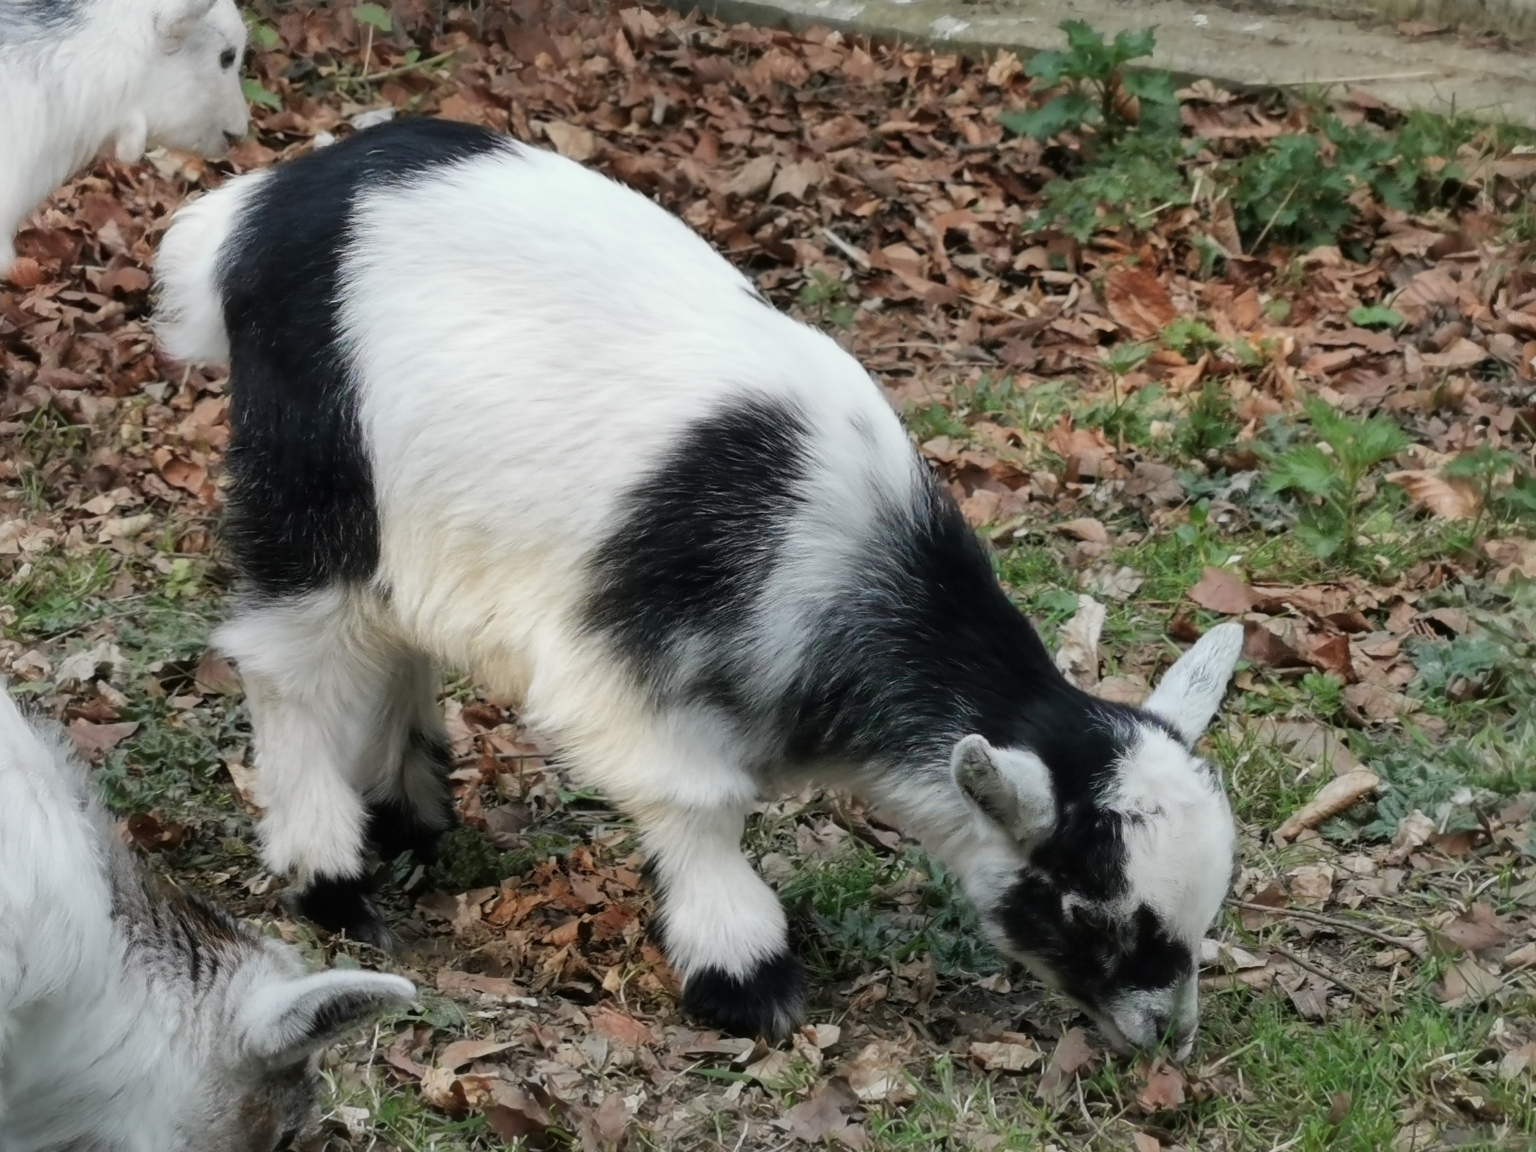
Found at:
[769, 1001]
[342, 906]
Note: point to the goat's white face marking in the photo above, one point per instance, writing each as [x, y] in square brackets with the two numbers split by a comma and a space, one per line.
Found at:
[1118, 888]
[193, 99]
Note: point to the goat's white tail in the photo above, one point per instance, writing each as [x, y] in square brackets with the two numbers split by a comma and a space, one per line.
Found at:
[189, 314]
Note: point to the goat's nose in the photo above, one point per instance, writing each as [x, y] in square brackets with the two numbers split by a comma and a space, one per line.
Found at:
[233, 138]
[1158, 1022]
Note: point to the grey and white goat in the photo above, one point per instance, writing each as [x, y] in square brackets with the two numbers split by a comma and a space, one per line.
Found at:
[77, 75]
[493, 410]
[135, 1019]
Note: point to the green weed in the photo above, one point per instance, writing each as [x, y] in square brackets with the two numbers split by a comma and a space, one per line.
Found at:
[1330, 474]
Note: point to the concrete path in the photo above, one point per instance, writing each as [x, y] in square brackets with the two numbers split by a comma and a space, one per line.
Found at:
[1294, 48]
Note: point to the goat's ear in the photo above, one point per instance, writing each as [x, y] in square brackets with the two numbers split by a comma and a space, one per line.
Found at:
[1012, 788]
[174, 19]
[1192, 690]
[286, 1020]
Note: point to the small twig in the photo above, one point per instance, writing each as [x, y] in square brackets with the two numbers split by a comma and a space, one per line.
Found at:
[1364, 997]
[1426, 74]
[1331, 921]
[1255, 246]
[402, 69]
[847, 249]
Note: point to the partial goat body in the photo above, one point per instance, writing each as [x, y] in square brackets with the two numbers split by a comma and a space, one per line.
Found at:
[134, 1019]
[493, 410]
[78, 75]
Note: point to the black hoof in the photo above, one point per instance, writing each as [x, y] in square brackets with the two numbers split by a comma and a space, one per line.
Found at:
[394, 829]
[343, 906]
[767, 1002]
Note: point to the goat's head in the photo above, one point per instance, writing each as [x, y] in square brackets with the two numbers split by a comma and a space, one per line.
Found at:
[191, 96]
[256, 1022]
[1111, 886]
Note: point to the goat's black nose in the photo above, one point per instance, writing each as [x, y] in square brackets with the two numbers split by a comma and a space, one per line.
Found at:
[1159, 1022]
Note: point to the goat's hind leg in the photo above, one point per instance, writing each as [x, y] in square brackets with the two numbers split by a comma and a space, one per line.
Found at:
[409, 804]
[317, 671]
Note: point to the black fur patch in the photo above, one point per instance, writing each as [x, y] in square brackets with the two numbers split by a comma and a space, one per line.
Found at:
[395, 825]
[699, 539]
[768, 1003]
[1094, 956]
[302, 513]
[342, 905]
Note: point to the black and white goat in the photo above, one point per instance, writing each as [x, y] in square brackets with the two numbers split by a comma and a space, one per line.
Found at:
[77, 75]
[492, 409]
[135, 1019]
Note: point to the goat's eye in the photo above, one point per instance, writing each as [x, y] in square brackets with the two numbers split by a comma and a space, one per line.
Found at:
[227, 58]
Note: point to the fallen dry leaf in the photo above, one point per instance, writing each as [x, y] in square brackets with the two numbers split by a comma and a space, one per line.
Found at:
[1333, 798]
[1164, 1089]
[1138, 301]
[877, 1073]
[94, 739]
[1077, 655]
[1476, 931]
[1085, 528]
[1069, 1056]
[462, 1052]
[1006, 1055]
[1452, 499]
[1220, 591]
[1466, 982]
[825, 1113]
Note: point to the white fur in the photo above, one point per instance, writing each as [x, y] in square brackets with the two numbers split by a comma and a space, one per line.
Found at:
[103, 1041]
[129, 73]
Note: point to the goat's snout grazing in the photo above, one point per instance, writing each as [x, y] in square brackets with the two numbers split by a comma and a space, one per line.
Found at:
[493, 410]
[83, 75]
[1125, 867]
[132, 1017]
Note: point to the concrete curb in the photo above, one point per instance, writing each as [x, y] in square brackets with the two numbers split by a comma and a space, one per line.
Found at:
[1294, 50]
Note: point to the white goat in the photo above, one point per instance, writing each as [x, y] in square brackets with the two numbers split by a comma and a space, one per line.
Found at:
[77, 75]
[492, 409]
[134, 1019]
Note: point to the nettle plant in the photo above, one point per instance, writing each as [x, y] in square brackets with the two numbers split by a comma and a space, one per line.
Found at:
[1098, 92]
[1330, 475]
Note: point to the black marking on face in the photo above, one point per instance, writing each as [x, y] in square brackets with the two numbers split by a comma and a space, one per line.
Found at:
[227, 59]
[1092, 955]
[302, 509]
[699, 539]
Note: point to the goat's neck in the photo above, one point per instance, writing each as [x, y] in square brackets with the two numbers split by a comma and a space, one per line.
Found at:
[58, 112]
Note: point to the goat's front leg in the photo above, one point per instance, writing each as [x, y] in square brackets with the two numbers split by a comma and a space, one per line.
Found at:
[132, 138]
[721, 925]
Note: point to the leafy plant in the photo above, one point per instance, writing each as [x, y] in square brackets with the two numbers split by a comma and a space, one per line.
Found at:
[1187, 334]
[374, 16]
[257, 93]
[1120, 361]
[1331, 473]
[1483, 467]
[1099, 93]
[1375, 316]
[826, 300]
